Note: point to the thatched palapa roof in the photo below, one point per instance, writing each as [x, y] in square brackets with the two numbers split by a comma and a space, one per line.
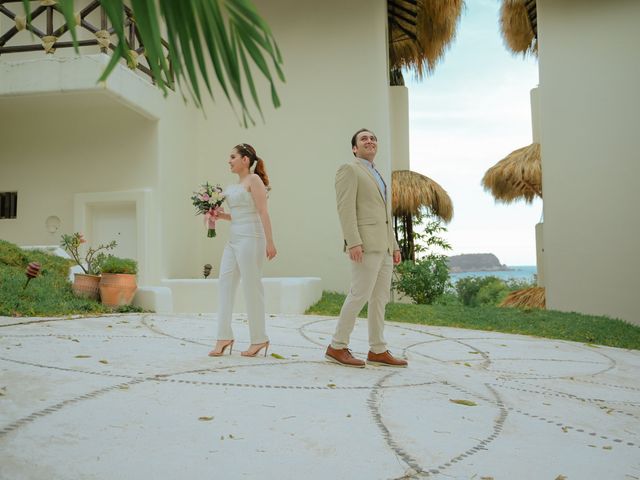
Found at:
[411, 191]
[420, 31]
[518, 22]
[517, 176]
[528, 298]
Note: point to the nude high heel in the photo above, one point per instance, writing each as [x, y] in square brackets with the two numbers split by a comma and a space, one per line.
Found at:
[219, 353]
[255, 349]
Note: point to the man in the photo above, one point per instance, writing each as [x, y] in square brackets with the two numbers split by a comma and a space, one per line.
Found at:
[363, 207]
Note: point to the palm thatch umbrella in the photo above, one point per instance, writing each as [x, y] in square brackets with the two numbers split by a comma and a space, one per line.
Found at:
[529, 297]
[410, 192]
[517, 176]
[420, 31]
[518, 22]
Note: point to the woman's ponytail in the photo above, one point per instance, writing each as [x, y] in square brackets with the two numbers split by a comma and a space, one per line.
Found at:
[255, 162]
[261, 172]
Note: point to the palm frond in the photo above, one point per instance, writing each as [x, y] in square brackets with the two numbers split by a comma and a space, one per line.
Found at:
[229, 33]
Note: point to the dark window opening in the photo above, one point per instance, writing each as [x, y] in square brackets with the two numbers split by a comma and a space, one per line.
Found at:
[8, 204]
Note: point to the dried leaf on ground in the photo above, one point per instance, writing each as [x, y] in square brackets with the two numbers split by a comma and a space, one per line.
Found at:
[331, 385]
[467, 403]
[83, 356]
[205, 419]
[279, 357]
[103, 361]
[561, 477]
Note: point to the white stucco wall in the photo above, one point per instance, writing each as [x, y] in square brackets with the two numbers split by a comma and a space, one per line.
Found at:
[89, 153]
[589, 102]
[399, 124]
[57, 143]
[336, 82]
[55, 146]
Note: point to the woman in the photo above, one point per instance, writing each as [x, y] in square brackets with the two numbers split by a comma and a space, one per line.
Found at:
[244, 254]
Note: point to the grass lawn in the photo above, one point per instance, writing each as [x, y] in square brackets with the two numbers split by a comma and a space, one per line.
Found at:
[541, 323]
[49, 294]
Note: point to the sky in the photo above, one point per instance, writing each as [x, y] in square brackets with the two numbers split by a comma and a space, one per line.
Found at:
[471, 112]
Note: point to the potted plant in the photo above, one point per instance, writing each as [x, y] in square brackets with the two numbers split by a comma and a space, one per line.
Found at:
[118, 281]
[86, 284]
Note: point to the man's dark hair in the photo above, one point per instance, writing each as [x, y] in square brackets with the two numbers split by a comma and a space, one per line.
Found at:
[355, 136]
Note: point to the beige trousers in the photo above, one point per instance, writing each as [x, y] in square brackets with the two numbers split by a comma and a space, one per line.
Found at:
[370, 281]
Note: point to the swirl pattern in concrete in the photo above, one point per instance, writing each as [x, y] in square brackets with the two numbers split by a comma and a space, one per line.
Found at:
[135, 396]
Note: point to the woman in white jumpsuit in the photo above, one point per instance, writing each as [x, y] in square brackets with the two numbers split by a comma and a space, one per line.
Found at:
[251, 240]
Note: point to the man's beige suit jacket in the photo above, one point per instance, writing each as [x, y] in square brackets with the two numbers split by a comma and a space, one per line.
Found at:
[364, 215]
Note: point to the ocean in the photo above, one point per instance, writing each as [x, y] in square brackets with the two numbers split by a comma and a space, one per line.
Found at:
[519, 272]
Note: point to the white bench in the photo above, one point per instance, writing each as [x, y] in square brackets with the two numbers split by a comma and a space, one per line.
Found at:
[282, 295]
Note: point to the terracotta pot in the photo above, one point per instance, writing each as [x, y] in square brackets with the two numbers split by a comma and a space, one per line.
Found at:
[86, 286]
[117, 289]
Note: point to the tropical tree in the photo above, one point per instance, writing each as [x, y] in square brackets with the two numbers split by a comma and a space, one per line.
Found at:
[423, 276]
[418, 234]
[229, 33]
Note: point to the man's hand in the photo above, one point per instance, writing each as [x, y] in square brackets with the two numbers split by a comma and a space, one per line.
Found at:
[397, 257]
[355, 253]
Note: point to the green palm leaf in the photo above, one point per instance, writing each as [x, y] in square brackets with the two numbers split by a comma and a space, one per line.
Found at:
[228, 35]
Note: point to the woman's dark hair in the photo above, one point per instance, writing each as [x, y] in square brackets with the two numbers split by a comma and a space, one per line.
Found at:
[247, 150]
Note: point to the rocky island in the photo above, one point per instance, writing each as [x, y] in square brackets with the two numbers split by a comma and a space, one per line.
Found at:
[475, 262]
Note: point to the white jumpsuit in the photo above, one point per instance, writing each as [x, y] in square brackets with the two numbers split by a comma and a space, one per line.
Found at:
[243, 257]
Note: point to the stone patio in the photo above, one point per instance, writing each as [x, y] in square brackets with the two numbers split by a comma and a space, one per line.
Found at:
[136, 397]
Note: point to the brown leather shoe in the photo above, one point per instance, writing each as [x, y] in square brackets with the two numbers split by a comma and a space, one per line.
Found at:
[385, 359]
[343, 357]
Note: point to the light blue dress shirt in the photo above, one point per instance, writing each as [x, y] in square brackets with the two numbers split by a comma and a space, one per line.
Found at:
[381, 185]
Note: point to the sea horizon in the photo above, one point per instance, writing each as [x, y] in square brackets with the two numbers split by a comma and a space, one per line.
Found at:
[517, 272]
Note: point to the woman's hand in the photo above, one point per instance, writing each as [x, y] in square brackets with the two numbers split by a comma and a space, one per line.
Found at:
[271, 251]
[220, 214]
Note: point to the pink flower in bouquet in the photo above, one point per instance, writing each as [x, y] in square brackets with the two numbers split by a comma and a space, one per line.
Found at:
[207, 201]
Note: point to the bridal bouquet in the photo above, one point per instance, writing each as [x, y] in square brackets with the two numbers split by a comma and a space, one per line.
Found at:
[207, 200]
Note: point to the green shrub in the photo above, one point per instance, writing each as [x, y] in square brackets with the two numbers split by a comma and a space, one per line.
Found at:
[423, 281]
[448, 298]
[519, 284]
[12, 255]
[48, 294]
[468, 288]
[490, 290]
[113, 264]
[492, 293]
